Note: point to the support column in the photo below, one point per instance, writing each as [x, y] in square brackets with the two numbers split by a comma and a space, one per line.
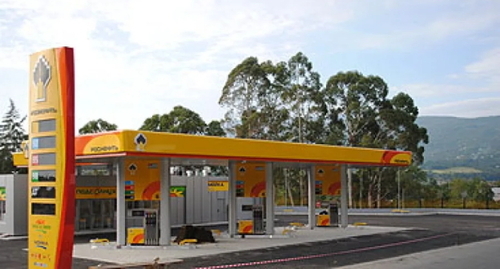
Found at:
[232, 199]
[311, 192]
[165, 233]
[343, 196]
[121, 233]
[77, 215]
[269, 199]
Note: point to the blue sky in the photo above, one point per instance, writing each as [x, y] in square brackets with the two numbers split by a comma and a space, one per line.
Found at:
[137, 58]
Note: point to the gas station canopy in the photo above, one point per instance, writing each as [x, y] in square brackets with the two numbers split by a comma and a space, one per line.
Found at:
[183, 149]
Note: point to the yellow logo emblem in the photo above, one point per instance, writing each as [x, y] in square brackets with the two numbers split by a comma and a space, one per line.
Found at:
[41, 78]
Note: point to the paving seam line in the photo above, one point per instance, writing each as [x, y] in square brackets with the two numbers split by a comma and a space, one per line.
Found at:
[325, 254]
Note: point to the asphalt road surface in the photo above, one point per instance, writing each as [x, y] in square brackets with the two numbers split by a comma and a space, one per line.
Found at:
[478, 255]
[430, 232]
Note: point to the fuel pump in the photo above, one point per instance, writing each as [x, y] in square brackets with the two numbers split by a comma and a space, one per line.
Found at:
[143, 227]
[251, 216]
[328, 214]
[151, 227]
[258, 219]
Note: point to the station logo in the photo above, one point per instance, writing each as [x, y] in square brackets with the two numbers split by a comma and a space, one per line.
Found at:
[132, 168]
[41, 78]
[140, 142]
[396, 157]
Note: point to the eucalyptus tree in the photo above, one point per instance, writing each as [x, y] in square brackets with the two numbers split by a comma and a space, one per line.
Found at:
[302, 97]
[241, 95]
[395, 128]
[406, 133]
[97, 126]
[179, 120]
[156, 123]
[273, 101]
[214, 128]
[360, 108]
[355, 101]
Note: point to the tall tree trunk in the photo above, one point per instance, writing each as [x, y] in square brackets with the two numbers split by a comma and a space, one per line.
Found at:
[349, 186]
[288, 189]
[369, 198]
[275, 194]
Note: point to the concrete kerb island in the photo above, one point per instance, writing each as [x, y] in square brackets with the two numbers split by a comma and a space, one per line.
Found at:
[250, 162]
[224, 244]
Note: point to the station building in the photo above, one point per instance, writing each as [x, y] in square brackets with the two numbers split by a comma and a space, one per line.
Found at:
[192, 200]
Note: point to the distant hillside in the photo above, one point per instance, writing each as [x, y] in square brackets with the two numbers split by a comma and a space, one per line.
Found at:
[465, 143]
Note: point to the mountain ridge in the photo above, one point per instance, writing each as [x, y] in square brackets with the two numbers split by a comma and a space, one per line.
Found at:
[463, 142]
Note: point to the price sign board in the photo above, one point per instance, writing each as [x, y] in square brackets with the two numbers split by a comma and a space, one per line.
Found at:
[52, 166]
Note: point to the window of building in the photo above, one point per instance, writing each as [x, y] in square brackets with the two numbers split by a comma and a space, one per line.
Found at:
[94, 170]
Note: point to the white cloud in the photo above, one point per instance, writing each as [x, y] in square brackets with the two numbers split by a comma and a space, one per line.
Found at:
[488, 67]
[466, 22]
[468, 101]
[159, 25]
[472, 108]
[425, 90]
[479, 78]
[134, 59]
[417, 24]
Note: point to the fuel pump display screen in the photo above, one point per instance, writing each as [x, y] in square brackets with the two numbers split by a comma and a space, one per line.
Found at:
[137, 213]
